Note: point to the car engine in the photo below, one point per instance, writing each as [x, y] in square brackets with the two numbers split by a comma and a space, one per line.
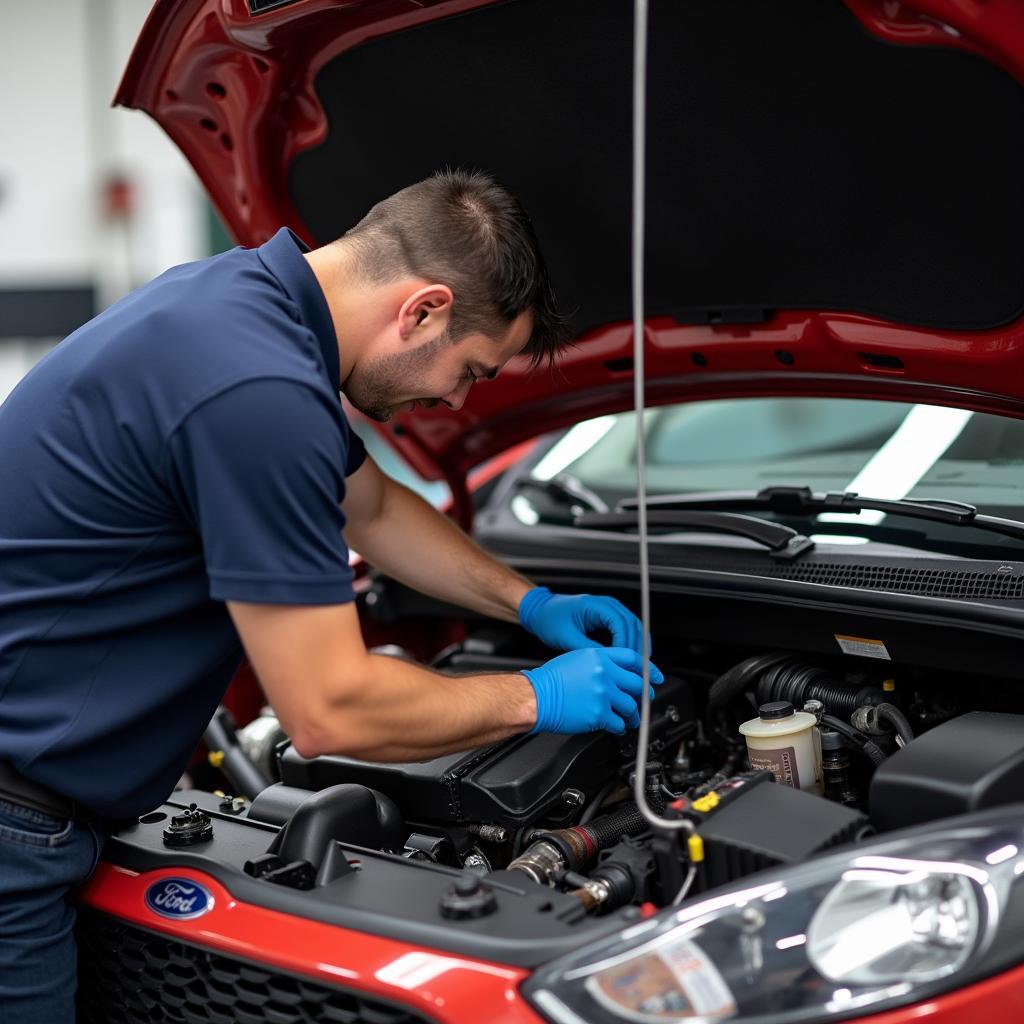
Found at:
[558, 811]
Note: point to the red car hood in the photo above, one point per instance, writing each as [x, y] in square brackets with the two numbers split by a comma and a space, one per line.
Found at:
[834, 186]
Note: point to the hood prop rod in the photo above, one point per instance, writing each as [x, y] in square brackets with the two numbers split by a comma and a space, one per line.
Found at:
[663, 824]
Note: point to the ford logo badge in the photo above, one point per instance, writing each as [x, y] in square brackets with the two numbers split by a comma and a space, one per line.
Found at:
[180, 899]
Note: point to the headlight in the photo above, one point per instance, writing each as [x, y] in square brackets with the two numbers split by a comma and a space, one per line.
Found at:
[885, 924]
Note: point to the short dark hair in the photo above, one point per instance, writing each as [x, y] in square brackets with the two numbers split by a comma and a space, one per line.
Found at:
[463, 229]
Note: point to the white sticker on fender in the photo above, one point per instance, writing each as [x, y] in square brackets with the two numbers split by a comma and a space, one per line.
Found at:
[864, 648]
[670, 983]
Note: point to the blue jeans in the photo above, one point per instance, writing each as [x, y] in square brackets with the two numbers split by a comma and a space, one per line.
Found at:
[41, 859]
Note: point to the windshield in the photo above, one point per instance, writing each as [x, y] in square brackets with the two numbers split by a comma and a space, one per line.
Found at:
[880, 449]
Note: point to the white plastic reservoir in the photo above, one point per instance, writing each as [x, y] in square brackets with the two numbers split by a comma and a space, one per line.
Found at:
[786, 743]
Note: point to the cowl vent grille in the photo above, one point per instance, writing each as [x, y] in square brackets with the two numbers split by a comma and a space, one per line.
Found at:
[905, 580]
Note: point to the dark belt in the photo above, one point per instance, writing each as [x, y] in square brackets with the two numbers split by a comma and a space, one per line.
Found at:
[19, 790]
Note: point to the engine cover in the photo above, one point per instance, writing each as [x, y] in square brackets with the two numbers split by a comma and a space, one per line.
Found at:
[510, 783]
[965, 764]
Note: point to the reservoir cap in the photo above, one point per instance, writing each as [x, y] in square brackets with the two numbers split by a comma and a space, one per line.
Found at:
[775, 709]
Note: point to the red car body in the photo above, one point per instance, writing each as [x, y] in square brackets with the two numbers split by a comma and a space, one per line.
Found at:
[235, 85]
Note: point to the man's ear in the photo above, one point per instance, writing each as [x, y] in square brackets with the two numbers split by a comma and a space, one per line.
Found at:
[425, 312]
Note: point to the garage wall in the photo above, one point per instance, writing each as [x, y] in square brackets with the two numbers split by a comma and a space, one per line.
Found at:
[63, 256]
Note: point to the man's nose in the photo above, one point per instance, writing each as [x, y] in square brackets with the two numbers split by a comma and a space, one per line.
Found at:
[457, 398]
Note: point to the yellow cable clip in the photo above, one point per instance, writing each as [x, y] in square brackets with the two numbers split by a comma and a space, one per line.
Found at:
[215, 757]
[706, 803]
[696, 847]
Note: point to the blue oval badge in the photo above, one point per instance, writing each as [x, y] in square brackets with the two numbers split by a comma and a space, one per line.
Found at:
[179, 899]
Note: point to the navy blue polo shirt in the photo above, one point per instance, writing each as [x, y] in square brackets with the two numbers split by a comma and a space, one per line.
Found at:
[185, 448]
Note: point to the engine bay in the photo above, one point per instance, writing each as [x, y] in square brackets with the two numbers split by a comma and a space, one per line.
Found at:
[890, 746]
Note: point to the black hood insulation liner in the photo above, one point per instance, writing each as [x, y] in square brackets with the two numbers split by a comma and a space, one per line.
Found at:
[795, 161]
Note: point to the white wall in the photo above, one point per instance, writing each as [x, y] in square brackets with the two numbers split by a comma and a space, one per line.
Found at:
[45, 165]
[60, 63]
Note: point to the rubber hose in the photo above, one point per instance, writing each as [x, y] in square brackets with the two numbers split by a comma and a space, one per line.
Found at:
[610, 828]
[860, 741]
[897, 719]
[799, 683]
[733, 681]
[788, 682]
[239, 769]
[578, 845]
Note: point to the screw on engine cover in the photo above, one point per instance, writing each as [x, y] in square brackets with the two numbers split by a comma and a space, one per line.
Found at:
[573, 797]
[672, 713]
[467, 898]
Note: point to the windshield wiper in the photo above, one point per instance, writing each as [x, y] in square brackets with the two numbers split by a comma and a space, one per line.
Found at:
[782, 542]
[802, 501]
[566, 489]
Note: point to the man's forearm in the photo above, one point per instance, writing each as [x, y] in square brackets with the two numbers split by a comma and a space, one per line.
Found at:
[404, 712]
[421, 547]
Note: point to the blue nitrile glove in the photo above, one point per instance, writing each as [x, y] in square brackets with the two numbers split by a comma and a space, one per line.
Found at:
[583, 691]
[564, 620]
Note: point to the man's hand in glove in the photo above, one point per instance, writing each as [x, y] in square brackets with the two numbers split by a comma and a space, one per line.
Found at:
[566, 621]
[587, 690]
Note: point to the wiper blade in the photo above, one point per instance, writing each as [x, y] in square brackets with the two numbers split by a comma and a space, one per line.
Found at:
[567, 489]
[802, 501]
[783, 543]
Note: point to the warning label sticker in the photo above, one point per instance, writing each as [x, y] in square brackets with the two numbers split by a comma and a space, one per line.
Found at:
[862, 647]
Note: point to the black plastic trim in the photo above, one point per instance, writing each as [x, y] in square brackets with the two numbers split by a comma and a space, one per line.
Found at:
[387, 895]
[89, 1005]
[992, 617]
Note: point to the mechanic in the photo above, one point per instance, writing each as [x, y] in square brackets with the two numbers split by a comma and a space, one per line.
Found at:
[175, 483]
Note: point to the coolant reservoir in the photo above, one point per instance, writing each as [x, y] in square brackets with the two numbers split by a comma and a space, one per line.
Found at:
[786, 743]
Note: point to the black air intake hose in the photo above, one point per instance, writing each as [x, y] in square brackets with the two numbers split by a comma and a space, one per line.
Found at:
[735, 680]
[346, 812]
[798, 683]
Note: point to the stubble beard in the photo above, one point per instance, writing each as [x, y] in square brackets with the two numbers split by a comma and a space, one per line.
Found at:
[374, 387]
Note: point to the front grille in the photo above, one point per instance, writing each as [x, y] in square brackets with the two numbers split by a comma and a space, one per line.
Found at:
[130, 976]
[902, 580]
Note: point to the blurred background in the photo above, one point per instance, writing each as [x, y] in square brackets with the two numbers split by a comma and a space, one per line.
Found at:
[93, 200]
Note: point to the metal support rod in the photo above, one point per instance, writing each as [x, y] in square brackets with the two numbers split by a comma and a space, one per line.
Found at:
[640, 11]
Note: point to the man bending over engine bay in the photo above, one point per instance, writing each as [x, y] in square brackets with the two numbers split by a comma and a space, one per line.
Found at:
[179, 483]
